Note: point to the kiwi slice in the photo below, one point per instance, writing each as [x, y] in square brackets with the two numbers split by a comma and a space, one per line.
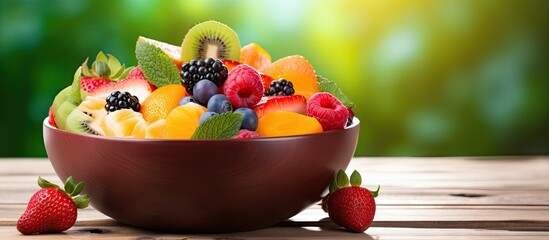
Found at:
[60, 98]
[210, 39]
[62, 112]
[81, 122]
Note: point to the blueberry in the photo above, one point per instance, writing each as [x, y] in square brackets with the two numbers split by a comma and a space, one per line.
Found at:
[205, 116]
[187, 99]
[219, 103]
[249, 121]
[204, 90]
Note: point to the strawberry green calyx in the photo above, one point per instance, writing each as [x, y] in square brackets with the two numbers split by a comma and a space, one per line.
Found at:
[106, 67]
[70, 188]
[342, 181]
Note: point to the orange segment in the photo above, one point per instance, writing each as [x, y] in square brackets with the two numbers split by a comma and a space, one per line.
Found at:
[285, 123]
[174, 52]
[183, 121]
[156, 130]
[297, 70]
[255, 56]
[161, 102]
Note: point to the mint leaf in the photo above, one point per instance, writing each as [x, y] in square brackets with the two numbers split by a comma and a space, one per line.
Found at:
[156, 65]
[328, 86]
[225, 125]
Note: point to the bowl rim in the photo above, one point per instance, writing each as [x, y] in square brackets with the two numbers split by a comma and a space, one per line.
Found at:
[46, 124]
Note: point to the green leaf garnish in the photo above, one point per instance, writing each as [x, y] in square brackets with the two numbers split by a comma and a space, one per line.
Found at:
[156, 65]
[325, 85]
[225, 125]
[356, 180]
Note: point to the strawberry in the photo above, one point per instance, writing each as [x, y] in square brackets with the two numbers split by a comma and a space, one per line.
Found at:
[266, 79]
[136, 73]
[139, 87]
[294, 103]
[245, 133]
[328, 110]
[51, 119]
[352, 207]
[52, 209]
[230, 64]
[105, 70]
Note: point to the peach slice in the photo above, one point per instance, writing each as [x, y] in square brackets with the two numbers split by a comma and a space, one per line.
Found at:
[297, 70]
[183, 121]
[255, 56]
[286, 123]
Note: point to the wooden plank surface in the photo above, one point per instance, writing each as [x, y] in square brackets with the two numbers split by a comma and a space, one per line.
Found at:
[421, 198]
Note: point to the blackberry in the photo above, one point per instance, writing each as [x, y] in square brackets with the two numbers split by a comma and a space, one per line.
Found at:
[122, 100]
[197, 70]
[280, 87]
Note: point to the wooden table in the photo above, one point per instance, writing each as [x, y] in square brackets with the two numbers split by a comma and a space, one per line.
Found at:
[420, 198]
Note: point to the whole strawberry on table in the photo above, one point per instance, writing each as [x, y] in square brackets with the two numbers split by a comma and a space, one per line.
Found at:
[350, 206]
[52, 209]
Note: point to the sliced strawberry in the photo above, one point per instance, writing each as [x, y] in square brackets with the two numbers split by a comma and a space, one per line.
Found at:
[136, 73]
[294, 103]
[135, 86]
[266, 81]
[51, 119]
[230, 64]
[89, 84]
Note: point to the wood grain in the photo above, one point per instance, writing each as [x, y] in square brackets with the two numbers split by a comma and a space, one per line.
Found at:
[421, 198]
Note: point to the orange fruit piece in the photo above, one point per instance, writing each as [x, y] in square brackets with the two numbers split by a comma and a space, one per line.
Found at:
[174, 52]
[124, 123]
[286, 123]
[157, 130]
[297, 70]
[255, 56]
[183, 121]
[161, 102]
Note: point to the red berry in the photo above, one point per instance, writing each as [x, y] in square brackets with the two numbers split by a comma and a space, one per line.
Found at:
[136, 73]
[244, 133]
[328, 110]
[89, 84]
[51, 119]
[243, 86]
[294, 103]
[52, 209]
[141, 88]
[352, 208]
[49, 210]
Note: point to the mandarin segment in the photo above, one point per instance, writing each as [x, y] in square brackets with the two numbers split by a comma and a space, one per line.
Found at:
[286, 123]
[255, 56]
[124, 123]
[183, 121]
[297, 70]
[161, 102]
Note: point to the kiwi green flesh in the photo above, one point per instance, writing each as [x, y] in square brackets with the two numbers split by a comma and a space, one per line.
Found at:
[60, 98]
[82, 122]
[62, 112]
[210, 39]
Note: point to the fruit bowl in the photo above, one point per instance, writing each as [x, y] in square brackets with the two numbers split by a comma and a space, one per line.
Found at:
[201, 185]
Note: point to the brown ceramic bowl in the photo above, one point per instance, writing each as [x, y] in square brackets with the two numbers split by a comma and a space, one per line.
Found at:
[201, 185]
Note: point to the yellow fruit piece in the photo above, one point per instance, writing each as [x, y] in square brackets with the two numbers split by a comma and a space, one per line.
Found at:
[157, 130]
[161, 102]
[124, 123]
[183, 121]
[286, 123]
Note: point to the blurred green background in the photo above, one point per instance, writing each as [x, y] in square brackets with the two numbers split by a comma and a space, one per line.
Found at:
[430, 78]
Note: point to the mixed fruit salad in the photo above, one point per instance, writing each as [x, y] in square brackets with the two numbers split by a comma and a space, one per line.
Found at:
[209, 88]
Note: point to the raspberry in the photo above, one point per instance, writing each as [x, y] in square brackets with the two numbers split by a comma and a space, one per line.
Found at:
[244, 133]
[243, 86]
[328, 110]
